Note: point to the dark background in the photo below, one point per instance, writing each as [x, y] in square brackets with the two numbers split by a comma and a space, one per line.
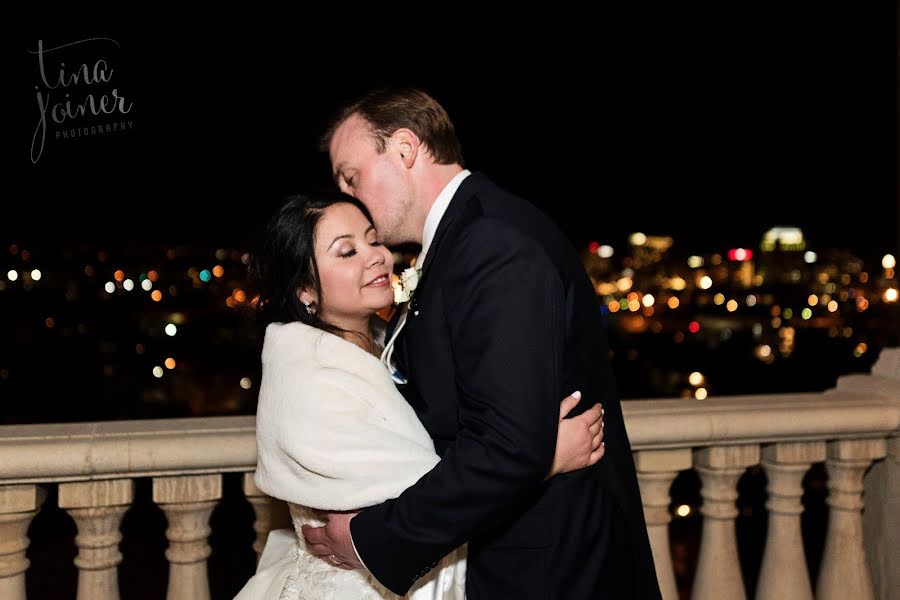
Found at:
[709, 124]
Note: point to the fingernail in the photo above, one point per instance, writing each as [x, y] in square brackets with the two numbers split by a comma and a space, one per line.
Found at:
[603, 444]
[577, 395]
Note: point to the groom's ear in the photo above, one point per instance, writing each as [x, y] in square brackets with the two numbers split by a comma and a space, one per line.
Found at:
[406, 143]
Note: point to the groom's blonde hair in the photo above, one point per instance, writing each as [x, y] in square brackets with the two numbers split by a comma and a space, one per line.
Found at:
[388, 110]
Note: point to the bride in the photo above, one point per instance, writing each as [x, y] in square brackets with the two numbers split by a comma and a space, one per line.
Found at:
[333, 433]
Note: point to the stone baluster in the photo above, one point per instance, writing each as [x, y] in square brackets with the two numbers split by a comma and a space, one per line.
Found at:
[881, 522]
[718, 569]
[18, 506]
[265, 508]
[656, 469]
[784, 573]
[97, 508]
[844, 573]
[188, 502]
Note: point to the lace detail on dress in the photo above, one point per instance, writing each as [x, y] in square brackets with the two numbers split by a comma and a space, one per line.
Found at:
[291, 590]
[314, 579]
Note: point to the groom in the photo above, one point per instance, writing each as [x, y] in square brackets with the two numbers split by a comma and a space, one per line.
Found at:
[503, 323]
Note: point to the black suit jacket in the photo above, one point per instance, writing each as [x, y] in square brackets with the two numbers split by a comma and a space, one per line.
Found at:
[503, 324]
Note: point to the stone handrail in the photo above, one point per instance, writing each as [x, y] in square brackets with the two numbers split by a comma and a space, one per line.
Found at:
[735, 420]
[848, 428]
[108, 450]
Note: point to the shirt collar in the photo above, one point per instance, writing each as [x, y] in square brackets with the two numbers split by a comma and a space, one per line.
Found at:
[437, 212]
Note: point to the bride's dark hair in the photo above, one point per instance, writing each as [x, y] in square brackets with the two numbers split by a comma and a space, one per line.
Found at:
[286, 260]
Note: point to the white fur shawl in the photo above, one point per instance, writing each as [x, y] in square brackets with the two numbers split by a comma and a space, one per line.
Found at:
[332, 431]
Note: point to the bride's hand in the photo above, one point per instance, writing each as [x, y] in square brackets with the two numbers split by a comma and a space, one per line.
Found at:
[579, 440]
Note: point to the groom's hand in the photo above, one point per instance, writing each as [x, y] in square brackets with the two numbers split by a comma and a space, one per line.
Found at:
[332, 543]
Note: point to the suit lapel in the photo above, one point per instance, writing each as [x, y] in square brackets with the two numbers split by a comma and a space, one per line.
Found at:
[456, 216]
[458, 206]
[461, 200]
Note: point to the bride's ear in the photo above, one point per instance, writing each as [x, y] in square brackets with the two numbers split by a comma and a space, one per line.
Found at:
[306, 296]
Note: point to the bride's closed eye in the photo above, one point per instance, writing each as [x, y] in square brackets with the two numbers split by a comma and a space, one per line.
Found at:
[352, 251]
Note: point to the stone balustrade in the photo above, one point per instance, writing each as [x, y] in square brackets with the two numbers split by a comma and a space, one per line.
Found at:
[853, 429]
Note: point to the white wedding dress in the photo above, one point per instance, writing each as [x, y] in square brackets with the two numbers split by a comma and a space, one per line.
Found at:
[333, 433]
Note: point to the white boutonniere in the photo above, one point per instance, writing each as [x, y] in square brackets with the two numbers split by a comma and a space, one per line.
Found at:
[405, 285]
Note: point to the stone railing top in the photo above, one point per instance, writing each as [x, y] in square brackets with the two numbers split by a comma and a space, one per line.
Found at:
[657, 424]
[860, 406]
[109, 449]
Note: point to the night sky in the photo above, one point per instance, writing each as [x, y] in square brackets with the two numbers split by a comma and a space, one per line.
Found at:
[709, 124]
